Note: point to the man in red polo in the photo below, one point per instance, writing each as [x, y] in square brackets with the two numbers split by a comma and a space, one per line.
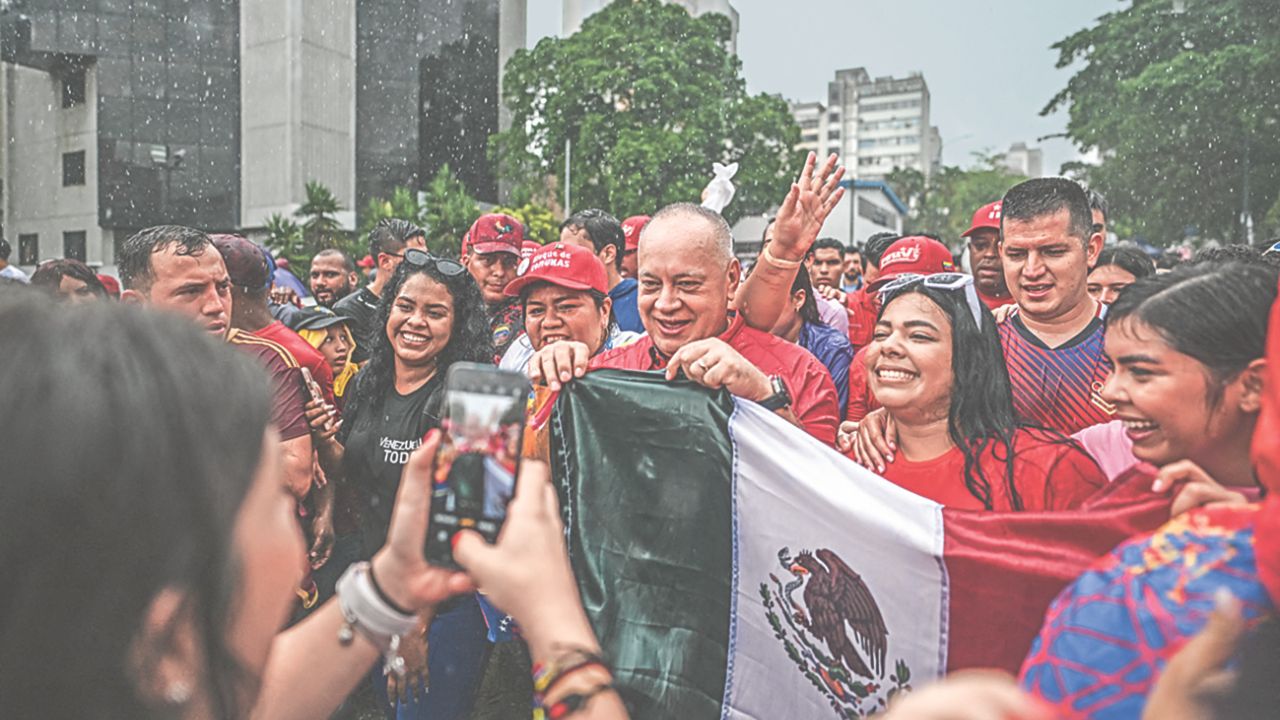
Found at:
[984, 256]
[688, 277]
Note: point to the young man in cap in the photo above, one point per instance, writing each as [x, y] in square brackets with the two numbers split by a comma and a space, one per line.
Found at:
[631, 228]
[564, 293]
[601, 233]
[491, 253]
[688, 278]
[387, 242]
[984, 256]
[332, 277]
[178, 269]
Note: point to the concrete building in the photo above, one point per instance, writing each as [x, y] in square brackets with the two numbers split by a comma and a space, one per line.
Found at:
[575, 11]
[874, 125]
[1024, 160]
[119, 115]
[868, 207]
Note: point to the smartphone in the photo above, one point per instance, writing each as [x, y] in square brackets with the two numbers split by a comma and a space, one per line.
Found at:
[479, 456]
[313, 387]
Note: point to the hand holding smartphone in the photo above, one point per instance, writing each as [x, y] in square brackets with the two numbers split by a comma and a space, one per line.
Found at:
[317, 394]
[479, 456]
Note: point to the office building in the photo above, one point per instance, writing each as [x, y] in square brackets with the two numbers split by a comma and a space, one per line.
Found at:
[874, 125]
[120, 115]
[1024, 160]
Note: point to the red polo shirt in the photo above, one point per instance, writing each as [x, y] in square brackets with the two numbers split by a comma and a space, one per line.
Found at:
[813, 394]
[992, 302]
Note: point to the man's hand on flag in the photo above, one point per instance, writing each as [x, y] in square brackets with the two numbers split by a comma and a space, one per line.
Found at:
[713, 363]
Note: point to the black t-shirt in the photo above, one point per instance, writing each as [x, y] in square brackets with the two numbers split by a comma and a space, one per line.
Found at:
[378, 442]
[362, 307]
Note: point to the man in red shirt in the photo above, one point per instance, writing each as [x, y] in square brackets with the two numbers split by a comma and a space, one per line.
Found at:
[178, 269]
[688, 277]
[984, 256]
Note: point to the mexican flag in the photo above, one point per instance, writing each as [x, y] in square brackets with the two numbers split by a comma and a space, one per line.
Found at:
[735, 567]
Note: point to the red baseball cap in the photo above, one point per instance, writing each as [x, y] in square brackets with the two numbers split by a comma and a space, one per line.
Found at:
[568, 266]
[915, 255]
[987, 218]
[366, 262]
[493, 233]
[631, 228]
[529, 248]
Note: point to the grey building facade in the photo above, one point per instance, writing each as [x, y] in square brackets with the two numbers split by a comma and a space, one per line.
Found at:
[121, 114]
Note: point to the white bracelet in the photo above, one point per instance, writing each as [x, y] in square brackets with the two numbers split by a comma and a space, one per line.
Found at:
[364, 610]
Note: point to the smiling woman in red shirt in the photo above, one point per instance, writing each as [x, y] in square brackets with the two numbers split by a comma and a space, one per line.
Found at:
[935, 364]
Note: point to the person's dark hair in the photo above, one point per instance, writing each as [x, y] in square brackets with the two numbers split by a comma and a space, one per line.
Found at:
[1168, 260]
[981, 418]
[1214, 313]
[809, 310]
[853, 248]
[768, 223]
[124, 478]
[1097, 202]
[470, 340]
[876, 246]
[347, 263]
[603, 229]
[134, 258]
[390, 235]
[5, 249]
[1039, 197]
[826, 243]
[48, 276]
[1227, 253]
[1127, 258]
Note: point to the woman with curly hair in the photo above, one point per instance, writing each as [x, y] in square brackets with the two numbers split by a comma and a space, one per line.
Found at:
[432, 315]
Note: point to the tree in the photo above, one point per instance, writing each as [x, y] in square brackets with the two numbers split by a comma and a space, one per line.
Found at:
[944, 205]
[648, 97]
[1184, 109]
[447, 213]
[540, 224]
[318, 214]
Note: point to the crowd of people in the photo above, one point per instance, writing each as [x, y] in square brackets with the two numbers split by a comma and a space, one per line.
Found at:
[216, 504]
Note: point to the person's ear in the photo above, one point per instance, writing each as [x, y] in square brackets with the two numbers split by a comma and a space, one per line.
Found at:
[1253, 385]
[353, 279]
[797, 299]
[132, 296]
[609, 255]
[166, 654]
[606, 306]
[734, 274]
[1093, 248]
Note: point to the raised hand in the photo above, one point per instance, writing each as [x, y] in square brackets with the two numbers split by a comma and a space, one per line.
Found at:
[812, 197]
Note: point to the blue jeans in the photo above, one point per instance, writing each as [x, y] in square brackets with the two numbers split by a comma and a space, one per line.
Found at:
[457, 648]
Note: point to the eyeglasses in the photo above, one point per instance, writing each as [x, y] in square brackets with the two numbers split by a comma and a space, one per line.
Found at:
[421, 258]
[938, 281]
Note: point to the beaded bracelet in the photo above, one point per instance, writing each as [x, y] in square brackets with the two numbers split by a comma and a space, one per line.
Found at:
[570, 704]
[546, 677]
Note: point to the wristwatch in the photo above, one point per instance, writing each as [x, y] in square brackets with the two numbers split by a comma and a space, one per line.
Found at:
[780, 398]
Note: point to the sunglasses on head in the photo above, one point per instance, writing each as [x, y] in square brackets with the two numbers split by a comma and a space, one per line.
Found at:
[422, 258]
[938, 281]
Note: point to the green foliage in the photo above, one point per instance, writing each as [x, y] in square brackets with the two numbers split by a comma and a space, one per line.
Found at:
[540, 224]
[1178, 105]
[944, 205]
[317, 230]
[649, 98]
[448, 211]
[402, 204]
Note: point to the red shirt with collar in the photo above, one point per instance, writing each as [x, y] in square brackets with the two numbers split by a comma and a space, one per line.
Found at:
[992, 302]
[813, 394]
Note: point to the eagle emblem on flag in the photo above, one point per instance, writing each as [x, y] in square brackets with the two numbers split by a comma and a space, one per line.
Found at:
[834, 631]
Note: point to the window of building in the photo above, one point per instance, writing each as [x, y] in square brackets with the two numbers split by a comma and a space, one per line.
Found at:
[73, 92]
[28, 249]
[809, 137]
[833, 135]
[73, 245]
[874, 213]
[73, 168]
[809, 124]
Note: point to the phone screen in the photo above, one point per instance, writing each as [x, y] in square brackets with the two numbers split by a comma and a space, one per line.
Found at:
[479, 456]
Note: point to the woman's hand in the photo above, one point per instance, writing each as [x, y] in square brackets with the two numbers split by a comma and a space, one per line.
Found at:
[1192, 487]
[416, 680]
[399, 567]
[872, 440]
[321, 418]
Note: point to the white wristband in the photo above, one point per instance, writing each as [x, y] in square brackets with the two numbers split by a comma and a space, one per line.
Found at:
[365, 611]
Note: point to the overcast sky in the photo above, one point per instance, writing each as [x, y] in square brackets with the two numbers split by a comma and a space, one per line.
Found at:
[987, 62]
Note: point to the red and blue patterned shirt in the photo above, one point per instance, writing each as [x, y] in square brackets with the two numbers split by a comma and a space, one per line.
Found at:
[1058, 388]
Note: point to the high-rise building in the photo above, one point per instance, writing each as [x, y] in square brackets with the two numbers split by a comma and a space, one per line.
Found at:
[874, 125]
[575, 11]
[1024, 160]
[215, 113]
